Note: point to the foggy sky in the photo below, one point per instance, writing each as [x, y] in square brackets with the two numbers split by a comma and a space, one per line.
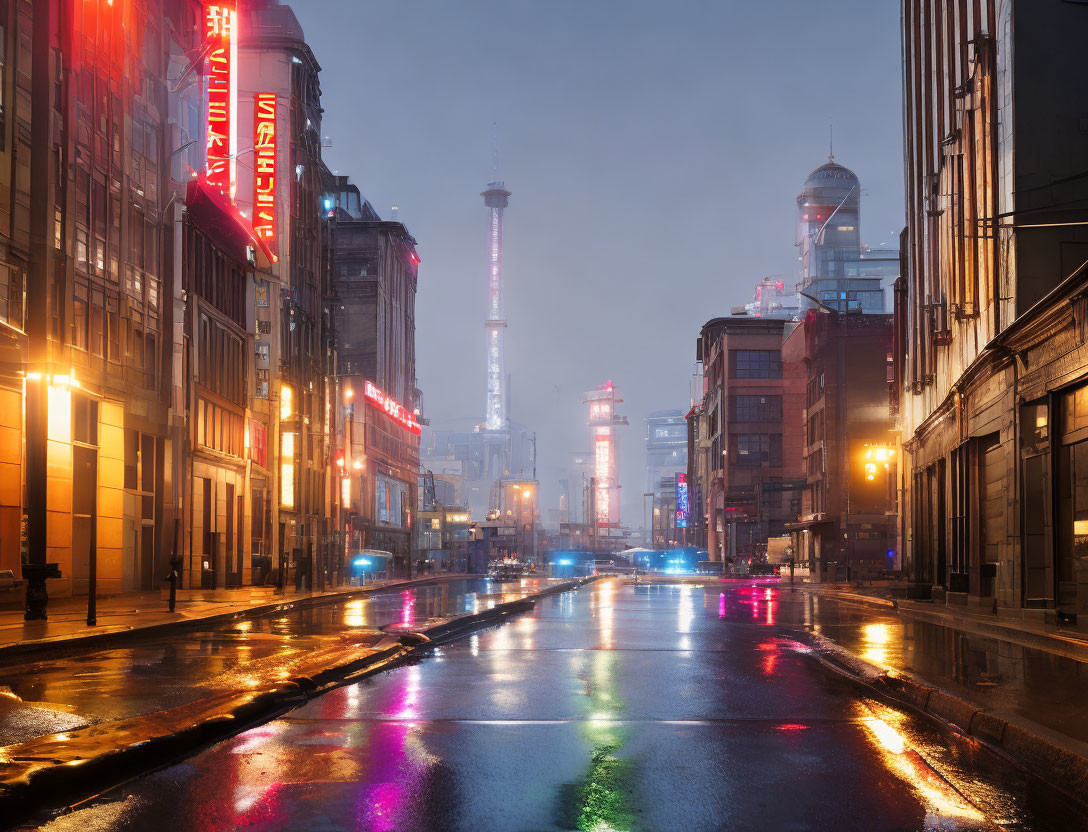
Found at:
[655, 151]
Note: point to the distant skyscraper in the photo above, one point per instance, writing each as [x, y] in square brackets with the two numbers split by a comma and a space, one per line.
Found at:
[496, 198]
[666, 447]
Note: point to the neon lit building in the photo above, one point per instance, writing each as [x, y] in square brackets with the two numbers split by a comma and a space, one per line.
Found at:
[603, 421]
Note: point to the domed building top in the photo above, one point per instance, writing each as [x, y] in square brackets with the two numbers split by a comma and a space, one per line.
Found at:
[831, 174]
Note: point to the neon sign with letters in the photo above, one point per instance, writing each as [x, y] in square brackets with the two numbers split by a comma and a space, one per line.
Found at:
[264, 179]
[392, 408]
[219, 30]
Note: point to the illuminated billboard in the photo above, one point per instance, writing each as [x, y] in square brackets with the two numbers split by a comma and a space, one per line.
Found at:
[264, 170]
[220, 34]
[683, 506]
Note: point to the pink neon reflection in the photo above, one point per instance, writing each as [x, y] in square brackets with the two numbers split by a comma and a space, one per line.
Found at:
[721, 605]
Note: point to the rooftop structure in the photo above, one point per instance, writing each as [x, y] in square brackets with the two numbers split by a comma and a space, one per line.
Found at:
[829, 237]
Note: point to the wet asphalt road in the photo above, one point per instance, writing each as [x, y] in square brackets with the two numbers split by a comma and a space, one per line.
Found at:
[611, 708]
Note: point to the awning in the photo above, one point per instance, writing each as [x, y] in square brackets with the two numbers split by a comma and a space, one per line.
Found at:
[216, 215]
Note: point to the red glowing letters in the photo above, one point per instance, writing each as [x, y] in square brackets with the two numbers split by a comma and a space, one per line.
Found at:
[219, 31]
[264, 178]
[395, 410]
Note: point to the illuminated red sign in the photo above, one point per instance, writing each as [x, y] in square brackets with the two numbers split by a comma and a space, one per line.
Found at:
[264, 179]
[394, 409]
[219, 32]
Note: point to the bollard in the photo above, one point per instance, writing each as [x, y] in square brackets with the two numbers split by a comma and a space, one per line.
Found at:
[175, 568]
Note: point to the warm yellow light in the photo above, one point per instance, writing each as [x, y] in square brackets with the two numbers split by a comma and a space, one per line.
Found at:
[60, 414]
[1040, 421]
[348, 393]
[869, 453]
[345, 492]
[287, 484]
[286, 403]
[888, 737]
[356, 465]
[245, 437]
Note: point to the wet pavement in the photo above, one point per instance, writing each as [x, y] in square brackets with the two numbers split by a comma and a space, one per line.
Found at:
[43, 696]
[615, 707]
[997, 674]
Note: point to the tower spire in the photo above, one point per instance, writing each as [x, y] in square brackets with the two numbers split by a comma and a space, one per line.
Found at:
[496, 198]
[831, 143]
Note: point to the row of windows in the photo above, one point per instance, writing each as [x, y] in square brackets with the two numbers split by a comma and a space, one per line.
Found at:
[755, 448]
[221, 361]
[217, 278]
[218, 428]
[756, 363]
[757, 408]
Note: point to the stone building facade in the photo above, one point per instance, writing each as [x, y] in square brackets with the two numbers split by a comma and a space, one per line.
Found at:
[991, 362]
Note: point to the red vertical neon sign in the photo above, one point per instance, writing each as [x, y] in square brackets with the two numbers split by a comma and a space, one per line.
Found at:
[264, 180]
[219, 30]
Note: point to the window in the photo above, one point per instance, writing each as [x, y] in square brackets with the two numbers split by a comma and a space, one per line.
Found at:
[12, 296]
[79, 316]
[84, 420]
[262, 351]
[756, 448]
[757, 363]
[757, 408]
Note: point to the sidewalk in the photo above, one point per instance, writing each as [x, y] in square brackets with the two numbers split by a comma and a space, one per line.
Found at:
[147, 612]
[1039, 635]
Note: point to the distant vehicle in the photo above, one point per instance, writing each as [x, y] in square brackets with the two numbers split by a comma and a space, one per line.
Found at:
[504, 571]
[604, 565]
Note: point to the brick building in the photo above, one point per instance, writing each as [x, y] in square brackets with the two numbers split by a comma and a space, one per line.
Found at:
[748, 465]
[847, 523]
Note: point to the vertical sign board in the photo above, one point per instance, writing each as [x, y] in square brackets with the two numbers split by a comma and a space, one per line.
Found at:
[219, 32]
[683, 509]
[264, 179]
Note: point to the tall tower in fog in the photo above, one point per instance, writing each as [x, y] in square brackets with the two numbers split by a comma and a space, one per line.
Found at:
[496, 198]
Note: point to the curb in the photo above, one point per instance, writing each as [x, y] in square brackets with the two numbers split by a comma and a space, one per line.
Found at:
[64, 644]
[1059, 760]
[44, 778]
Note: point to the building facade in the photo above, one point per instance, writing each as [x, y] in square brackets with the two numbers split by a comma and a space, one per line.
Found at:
[85, 278]
[279, 189]
[746, 437]
[847, 524]
[167, 363]
[992, 368]
[375, 271]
